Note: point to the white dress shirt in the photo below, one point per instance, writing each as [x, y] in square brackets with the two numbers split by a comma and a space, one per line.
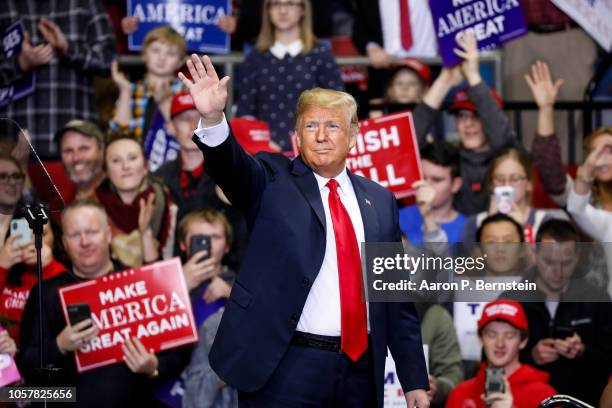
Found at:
[279, 50]
[321, 313]
[423, 33]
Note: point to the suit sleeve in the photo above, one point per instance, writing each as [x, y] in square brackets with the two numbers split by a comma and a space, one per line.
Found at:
[241, 176]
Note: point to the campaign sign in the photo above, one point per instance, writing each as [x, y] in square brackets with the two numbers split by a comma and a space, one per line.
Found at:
[493, 23]
[195, 20]
[8, 369]
[592, 15]
[394, 396]
[11, 46]
[150, 302]
[387, 152]
[159, 145]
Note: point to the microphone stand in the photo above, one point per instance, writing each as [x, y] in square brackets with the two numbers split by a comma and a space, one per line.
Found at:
[37, 218]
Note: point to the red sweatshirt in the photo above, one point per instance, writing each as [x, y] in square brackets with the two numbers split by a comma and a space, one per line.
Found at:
[529, 387]
[13, 298]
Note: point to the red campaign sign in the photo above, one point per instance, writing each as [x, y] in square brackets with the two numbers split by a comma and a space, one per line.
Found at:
[150, 302]
[387, 152]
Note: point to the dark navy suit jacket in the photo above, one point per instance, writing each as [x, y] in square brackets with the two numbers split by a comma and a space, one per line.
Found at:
[286, 220]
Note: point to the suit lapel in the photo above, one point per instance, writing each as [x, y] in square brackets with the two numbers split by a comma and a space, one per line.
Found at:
[307, 183]
[366, 206]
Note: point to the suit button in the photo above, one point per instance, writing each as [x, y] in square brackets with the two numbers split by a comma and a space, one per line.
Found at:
[305, 282]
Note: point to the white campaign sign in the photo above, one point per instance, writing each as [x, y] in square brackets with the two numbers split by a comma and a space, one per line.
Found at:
[394, 396]
[594, 16]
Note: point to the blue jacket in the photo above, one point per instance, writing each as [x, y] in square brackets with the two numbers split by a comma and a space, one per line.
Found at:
[286, 221]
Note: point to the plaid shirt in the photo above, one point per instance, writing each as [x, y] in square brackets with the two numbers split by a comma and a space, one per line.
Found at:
[64, 86]
[141, 94]
[543, 12]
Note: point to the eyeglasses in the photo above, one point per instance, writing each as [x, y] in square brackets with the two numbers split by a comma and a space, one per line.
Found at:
[513, 180]
[14, 177]
[285, 4]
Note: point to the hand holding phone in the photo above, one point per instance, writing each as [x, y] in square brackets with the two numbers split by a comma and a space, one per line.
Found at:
[77, 312]
[494, 380]
[504, 198]
[200, 242]
[20, 226]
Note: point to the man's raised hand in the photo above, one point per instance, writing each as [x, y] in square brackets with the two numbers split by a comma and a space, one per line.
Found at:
[209, 93]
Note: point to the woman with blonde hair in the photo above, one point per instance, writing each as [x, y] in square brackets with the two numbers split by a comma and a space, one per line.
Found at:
[287, 60]
[510, 186]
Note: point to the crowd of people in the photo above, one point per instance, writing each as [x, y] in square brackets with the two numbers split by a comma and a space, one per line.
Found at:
[134, 199]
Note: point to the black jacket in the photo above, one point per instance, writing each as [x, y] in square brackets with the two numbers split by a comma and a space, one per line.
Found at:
[109, 386]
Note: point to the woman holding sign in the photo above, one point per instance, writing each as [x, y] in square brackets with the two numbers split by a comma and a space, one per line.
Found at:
[287, 60]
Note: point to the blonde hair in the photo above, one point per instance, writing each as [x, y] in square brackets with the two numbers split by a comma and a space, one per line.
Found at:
[209, 215]
[521, 158]
[266, 38]
[328, 99]
[165, 34]
[597, 187]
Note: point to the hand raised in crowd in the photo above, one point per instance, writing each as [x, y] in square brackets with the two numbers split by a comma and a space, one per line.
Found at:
[138, 359]
[570, 347]
[146, 212]
[197, 270]
[53, 35]
[209, 93]
[425, 194]
[448, 78]
[227, 24]
[11, 253]
[122, 82]
[545, 352]
[542, 87]
[469, 52]
[129, 24]
[73, 337]
[32, 57]
[417, 399]
[433, 387]
[500, 399]
[600, 156]
[217, 289]
[379, 58]
[7, 344]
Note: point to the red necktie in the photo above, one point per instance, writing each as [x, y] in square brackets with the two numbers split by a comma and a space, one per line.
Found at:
[354, 339]
[405, 28]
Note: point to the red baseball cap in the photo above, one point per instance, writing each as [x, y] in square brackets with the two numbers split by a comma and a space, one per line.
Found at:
[461, 101]
[180, 103]
[253, 135]
[422, 70]
[507, 310]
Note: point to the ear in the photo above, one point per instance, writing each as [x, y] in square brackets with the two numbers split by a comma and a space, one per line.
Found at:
[353, 132]
[183, 246]
[456, 184]
[523, 343]
[109, 234]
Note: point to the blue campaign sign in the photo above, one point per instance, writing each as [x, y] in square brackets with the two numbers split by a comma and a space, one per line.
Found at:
[195, 20]
[11, 46]
[159, 145]
[493, 23]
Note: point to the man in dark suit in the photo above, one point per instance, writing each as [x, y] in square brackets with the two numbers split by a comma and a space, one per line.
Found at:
[296, 331]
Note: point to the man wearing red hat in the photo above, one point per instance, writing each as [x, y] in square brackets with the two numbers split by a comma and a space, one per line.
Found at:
[503, 333]
[190, 187]
[484, 130]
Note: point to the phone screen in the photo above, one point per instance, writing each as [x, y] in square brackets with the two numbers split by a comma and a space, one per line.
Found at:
[20, 226]
[199, 243]
[77, 312]
[494, 380]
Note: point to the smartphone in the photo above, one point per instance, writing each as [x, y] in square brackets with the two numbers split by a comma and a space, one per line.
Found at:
[494, 380]
[20, 226]
[504, 198]
[563, 332]
[77, 312]
[200, 242]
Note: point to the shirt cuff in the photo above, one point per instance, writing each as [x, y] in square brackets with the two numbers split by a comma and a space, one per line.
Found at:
[576, 203]
[213, 136]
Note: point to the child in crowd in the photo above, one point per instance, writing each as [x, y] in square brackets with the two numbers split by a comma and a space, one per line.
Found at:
[140, 103]
[287, 60]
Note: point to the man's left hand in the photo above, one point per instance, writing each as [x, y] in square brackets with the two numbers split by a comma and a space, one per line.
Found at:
[53, 35]
[138, 359]
[433, 387]
[571, 347]
[417, 399]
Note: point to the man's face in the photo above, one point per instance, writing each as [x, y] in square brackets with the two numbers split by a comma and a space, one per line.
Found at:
[218, 242]
[470, 130]
[406, 87]
[82, 157]
[440, 178]
[184, 124]
[556, 262]
[11, 184]
[162, 58]
[324, 139]
[501, 343]
[86, 238]
[500, 241]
